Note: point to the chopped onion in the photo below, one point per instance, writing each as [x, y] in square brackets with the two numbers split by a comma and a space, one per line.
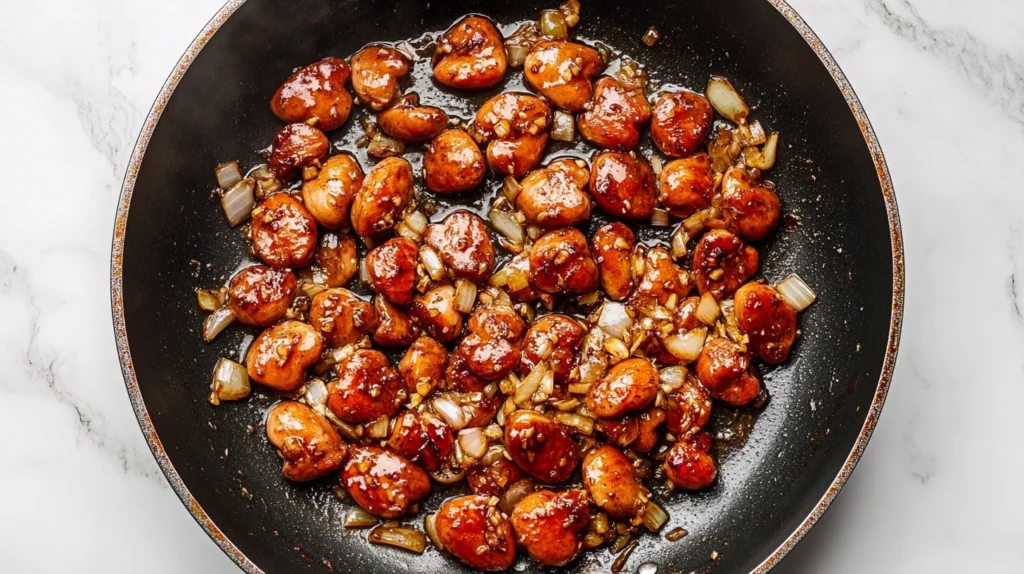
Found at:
[364, 271]
[510, 188]
[796, 292]
[631, 73]
[656, 164]
[679, 239]
[507, 225]
[516, 54]
[495, 452]
[431, 262]
[516, 274]
[407, 232]
[448, 475]
[530, 384]
[763, 159]
[465, 296]
[473, 442]
[228, 174]
[382, 146]
[266, 183]
[230, 382]
[378, 428]
[553, 24]
[570, 9]
[400, 536]
[686, 347]
[672, 378]
[567, 405]
[726, 100]
[614, 320]
[583, 424]
[564, 128]
[316, 394]
[519, 490]
[654, 517]
[238, 202]
[431, 527]
[216, 322]
[579, 388]
[651, 37]
[696, 222]
[208, 300]
[617, 350]
[359, 518]
[547, 384]
[659, 217]
[752, 134]
[707, 311]
[416, 221]
[450, 412]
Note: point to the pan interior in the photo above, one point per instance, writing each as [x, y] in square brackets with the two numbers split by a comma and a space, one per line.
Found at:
[775, 464]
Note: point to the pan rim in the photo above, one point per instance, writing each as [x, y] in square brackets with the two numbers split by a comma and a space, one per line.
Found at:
[229, 548]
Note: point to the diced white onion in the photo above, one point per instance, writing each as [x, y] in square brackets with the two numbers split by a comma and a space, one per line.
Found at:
[228, 174]
[707, 310]
[570, 9]
[364, 271]
[654, 517]
[614, 320]
[659, 218]
[465, 296]
[417, 221]
[401, 536]
[407, 232]
[695, 223]
[755, 135]
[208, 300]
[431, 527]
[448, 475]
[547, 384]
[553, 24]
[763, 159]
[382, 146]
[530, 384]
[516, 54]
[238, 202]
[796, 292]
[579, 388]
[686, 347]
[431, 262]
[316, 394]
[511, 188]
[378, 428]
[564, 128]
[507, 225]
[656, 164]
[672, 377]
[450, 412]
[473, 442]
[726, 100]
[583, 424]
[216, 322]
[230, 382]
[679, 238]
[359, 518]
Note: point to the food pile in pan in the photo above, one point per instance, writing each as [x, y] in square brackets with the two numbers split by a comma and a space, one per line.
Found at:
[558, 384]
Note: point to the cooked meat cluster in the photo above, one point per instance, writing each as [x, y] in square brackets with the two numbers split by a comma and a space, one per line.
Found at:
[560, 374]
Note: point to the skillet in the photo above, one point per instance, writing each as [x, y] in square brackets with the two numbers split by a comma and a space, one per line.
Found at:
[780, 466]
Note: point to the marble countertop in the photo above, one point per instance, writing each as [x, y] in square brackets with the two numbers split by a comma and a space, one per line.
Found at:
[937, 490]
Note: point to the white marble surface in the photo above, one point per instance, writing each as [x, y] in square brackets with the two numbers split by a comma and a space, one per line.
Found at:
[938, 489]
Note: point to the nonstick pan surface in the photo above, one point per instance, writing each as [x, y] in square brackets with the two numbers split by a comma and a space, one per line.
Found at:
[780, 466]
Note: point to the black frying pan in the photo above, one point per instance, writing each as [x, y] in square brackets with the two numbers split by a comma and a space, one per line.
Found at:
[780, 467]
